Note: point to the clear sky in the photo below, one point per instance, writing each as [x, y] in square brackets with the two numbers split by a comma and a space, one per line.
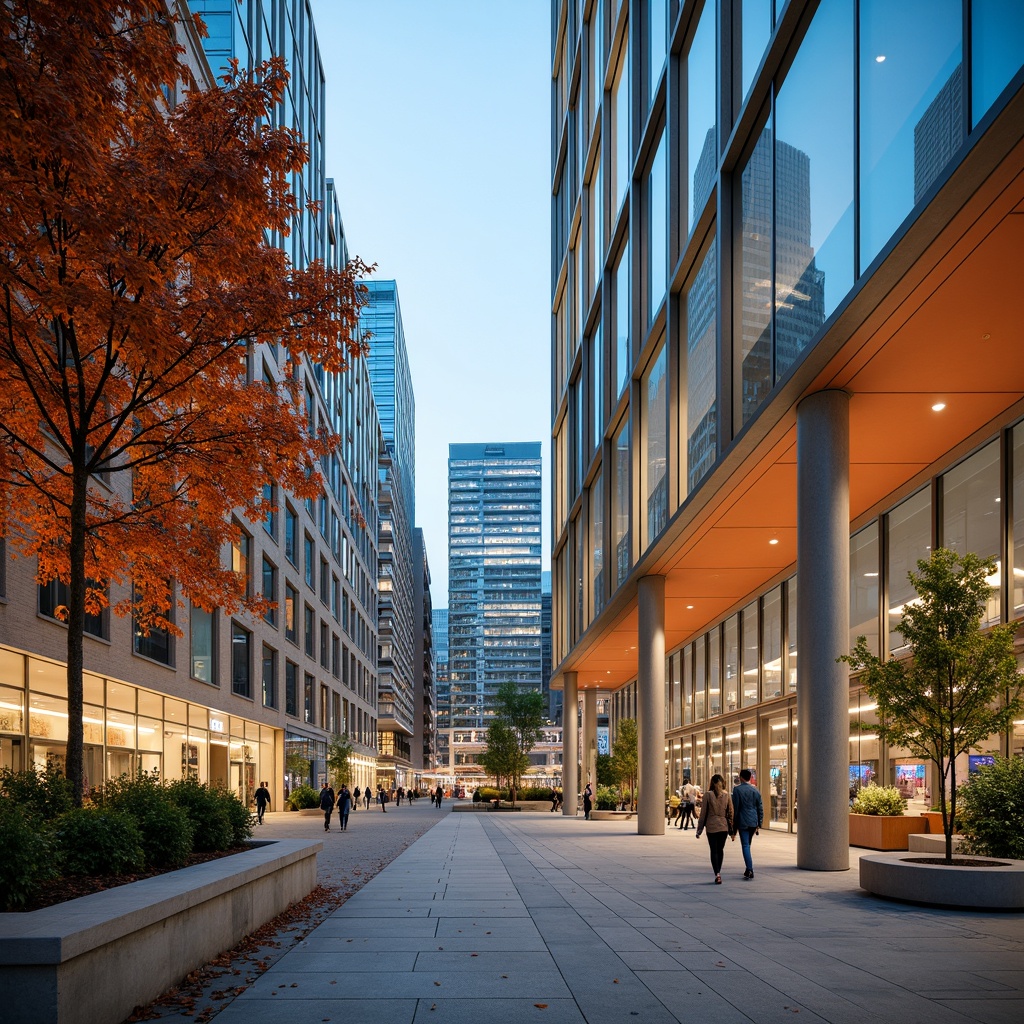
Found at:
[438, 137]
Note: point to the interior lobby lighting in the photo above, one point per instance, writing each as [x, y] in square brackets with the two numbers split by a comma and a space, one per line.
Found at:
[938, 406]
[774, 540]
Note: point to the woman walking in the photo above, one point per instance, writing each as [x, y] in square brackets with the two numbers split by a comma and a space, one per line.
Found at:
[716, 818]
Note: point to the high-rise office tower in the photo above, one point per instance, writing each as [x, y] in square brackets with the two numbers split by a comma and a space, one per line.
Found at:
[424, 747]
[785, 362]
[494, 588]
[398, 615]
[440, 616]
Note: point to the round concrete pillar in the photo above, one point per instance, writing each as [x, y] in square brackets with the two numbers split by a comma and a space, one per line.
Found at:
[570, 743]
[588, 755]
[823, 630]
[651, 705]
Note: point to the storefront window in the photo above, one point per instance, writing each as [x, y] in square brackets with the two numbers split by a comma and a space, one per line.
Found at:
[910, 539]
[700, 680]
[731, 663]
[791, 618]
[971, 515]
[714, 672]
[688, 685]
[864, 587]
[771, 640]
[751, 656]
[864, 745]
[675, 691]
[1017, 456]
[777, 810]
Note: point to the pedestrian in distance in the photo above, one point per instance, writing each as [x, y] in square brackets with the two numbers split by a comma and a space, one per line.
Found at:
[399, 795]
[554, 800]
[748, 816]
[382, 798]
[357, 794]
[327, 805]
[716, 817]
[688, 806]
[588, 801]
[366, 798]
[262, 798]
[344, 806]
[438, 795]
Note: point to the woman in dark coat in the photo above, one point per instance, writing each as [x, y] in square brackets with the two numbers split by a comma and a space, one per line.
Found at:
[327, 805]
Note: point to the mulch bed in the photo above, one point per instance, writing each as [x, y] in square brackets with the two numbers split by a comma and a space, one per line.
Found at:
[959, 862]
[60, 890]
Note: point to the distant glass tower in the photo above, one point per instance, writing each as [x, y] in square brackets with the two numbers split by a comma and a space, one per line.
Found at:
[494, 579]
[399, 617]
[440, 623]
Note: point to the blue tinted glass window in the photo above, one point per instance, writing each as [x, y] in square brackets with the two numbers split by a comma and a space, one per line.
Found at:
[756, 276]
[911, 104]
[622, 309]
[757, 30]
[701, 371]
[657, 36]
[814, 182]
[702, 154]
[657, 199]
[997, 45]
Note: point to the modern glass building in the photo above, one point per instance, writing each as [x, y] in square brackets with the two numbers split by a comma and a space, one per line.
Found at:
[785, 365]
[443, 736]
[399, 675]
[494, 588]
[424, 748]
[231, 697]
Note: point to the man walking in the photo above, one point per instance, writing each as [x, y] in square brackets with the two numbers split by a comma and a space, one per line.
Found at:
[327, 805]
[748, 815]
[344, 805]
[262, 797]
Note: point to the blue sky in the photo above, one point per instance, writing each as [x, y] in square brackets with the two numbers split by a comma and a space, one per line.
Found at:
[438, 129]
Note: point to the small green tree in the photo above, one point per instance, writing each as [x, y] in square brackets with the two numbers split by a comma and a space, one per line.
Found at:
[960, 684]
[992, 815]
[502, 757]
[339, 766]
[625, 757]
[522, 712]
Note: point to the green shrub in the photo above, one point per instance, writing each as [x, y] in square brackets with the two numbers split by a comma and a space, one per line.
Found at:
[607, 798]
[165, 827]
[990, 810]
[27, 858]
[883, 800]
[98, 841]
[42, 795]
[302, 797]
[241, 819]
[211, 827]
[534, 793]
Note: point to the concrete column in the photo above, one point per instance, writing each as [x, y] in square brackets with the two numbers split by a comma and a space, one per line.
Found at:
[570, 743]
[651, 705]
[588, 755]
[823, 630]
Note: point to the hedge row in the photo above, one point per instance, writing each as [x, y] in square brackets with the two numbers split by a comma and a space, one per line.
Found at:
[141, 824]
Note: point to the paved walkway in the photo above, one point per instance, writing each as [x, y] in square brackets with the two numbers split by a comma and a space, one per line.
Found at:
[523, 917]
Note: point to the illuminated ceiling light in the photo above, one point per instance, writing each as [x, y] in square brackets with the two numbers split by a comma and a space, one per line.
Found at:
[774, 540]
[880, 59]
[871, 575]
[938, 406]
[689, 607]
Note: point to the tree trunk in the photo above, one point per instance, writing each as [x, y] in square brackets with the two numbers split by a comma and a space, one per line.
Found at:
[76, 628]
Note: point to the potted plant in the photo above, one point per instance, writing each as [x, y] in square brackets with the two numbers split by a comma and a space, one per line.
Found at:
[878, 819]
[960, 684]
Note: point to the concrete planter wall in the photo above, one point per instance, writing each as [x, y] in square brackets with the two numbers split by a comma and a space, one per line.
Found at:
[94, 959]
[884, 832]
[996, 887]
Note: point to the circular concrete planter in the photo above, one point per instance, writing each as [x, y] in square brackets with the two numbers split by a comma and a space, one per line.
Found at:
[999, 887]
[612, 815]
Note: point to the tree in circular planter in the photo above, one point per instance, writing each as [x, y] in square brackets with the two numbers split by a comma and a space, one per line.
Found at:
[959, 685]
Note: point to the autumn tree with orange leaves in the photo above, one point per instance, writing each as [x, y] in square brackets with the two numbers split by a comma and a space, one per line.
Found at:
[136, 277]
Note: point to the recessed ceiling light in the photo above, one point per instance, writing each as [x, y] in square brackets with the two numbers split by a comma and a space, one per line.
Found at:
[985, 337]
[774, 540]
[880, 59]
[871, 575]
[689, 607]
[938, 406]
